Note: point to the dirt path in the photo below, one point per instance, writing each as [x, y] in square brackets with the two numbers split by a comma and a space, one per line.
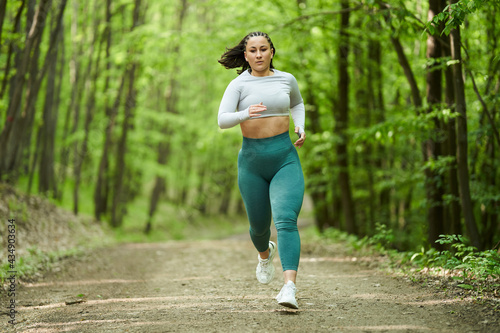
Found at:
[210, 286]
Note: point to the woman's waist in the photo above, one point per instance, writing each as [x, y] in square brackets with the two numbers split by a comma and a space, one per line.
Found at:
[261, 146]
[265, 127]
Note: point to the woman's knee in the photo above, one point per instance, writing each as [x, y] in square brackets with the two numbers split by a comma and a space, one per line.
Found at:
[287, 224]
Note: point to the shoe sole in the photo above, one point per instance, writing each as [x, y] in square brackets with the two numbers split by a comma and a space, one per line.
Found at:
[288, 305]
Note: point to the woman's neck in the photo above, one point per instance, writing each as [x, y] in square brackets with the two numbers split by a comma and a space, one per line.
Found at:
[268, 72]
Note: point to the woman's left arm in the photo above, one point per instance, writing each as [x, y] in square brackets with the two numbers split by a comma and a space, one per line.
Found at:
[298, 111]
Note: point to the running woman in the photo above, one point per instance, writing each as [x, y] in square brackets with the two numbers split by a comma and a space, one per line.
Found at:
[270, 175]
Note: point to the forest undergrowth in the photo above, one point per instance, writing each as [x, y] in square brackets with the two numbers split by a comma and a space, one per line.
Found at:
[460, 271]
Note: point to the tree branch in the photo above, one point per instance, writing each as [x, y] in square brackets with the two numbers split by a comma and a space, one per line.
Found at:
[485, 107]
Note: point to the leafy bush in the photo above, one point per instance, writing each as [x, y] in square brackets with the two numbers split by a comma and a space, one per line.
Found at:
[461, 261]
[461, 257]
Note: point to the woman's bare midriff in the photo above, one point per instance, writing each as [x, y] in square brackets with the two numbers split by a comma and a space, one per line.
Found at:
[259, 128]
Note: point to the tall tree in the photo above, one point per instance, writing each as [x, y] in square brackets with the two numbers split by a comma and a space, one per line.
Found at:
[172, 97]
[120, 194]
[462, 145]
[11, 147]
[342, 120]
[46, 180]
[92, 70]
[102, 188]
[432, 146]
[3, 9]
[13, 48]
[454, 215]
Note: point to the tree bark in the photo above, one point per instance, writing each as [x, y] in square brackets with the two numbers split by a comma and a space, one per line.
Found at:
[46, 176]
[13, 50]
[432, 147]
[101, 191]
[341, 123]
[3, 8]
[120, 196]
[403, 61]
[11, 142]
[380, 201]
[451, 145]
[81, 153]
[462, 159]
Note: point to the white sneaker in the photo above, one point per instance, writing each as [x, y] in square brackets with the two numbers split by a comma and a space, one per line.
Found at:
[265, 268]
[286, 297]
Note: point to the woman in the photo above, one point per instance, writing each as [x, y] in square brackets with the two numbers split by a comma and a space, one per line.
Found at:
[269, 172]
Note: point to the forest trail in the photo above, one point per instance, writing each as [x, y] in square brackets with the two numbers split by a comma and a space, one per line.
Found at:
[210, 286]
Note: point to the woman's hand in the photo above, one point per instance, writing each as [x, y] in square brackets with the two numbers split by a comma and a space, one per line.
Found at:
[253, 110]
[301, 140]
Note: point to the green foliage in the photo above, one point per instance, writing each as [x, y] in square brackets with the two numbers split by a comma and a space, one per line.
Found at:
[35, 260]
[461, 257]
[454, 15]
[473, 269]
[382, 239]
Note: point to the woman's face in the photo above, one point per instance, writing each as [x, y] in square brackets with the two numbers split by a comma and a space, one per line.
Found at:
[258, 54]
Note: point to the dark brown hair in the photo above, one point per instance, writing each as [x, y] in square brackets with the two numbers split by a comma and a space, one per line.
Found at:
[234, 57]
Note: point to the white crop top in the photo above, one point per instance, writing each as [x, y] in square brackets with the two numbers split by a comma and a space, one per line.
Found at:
[278, 92]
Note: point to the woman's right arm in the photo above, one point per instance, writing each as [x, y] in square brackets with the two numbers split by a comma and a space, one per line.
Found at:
[228, 116]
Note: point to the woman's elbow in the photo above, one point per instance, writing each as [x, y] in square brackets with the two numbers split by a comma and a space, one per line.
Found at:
[221, 124]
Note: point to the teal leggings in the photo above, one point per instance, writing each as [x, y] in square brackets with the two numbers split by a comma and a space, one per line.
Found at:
[272, 184]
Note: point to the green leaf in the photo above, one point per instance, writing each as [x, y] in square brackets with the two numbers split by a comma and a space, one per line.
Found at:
[465, 286]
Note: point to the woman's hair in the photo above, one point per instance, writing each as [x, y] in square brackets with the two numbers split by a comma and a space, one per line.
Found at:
[234, 57]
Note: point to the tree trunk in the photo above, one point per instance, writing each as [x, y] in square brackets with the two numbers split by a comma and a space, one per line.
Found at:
[46, 176]
[462, 159]
[378, 106]
[431, 147]
[3, 8]
[90, 88]
[403, 61]
[172, 97]
[101, 191]
[13, 49]
[341, 124]
[374, 150]
[11, 142]
[35, 81]
[75, 80]
[363, 91]
[120, 196]
[451, 145]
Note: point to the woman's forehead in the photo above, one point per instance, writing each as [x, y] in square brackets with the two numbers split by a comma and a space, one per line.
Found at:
[257, 41]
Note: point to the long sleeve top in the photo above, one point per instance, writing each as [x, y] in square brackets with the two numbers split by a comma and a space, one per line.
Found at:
[279, 93]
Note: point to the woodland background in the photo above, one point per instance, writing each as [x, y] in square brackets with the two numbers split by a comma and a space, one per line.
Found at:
[110, 108]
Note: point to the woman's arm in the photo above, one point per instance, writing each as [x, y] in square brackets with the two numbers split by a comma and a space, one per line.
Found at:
[298, 110]
[228, 117]
[299, 115]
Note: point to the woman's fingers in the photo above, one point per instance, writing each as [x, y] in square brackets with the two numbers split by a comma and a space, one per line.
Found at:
[301, 140]
[253, 110]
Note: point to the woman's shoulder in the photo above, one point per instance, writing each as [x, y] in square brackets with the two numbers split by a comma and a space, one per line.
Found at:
[288, 76]
[238, 81]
